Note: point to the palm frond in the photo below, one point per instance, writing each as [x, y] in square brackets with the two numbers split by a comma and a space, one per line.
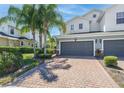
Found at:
[4, 20]
[25, 29]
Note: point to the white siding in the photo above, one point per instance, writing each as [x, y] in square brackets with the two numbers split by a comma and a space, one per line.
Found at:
[76, 23]
[94, 26]
[110, 19]
[28, 35]
[5, 28]
[102, 24]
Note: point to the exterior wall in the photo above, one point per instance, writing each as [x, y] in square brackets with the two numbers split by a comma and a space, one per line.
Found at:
[4, 42]
[102, 24]
[5, 28]
[76, 23]
[8, 42]
[90, 23]
[98, 44]
[26, 43]
[13, 43]
[28, 35]
[110, 19]
[94, 25]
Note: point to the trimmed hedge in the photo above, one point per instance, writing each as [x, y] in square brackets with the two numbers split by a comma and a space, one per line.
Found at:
[28, 56]
[110, 60]
[24, 49]
[48, 56]
[17, 49]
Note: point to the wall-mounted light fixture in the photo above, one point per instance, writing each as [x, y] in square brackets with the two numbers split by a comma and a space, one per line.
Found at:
[75, 39]
[100, 40]
[96, 41]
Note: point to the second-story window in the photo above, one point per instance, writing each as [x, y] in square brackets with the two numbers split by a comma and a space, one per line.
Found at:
[120, 18]
[80, 26]
[72, 27]
[12, 31]
[94, 15]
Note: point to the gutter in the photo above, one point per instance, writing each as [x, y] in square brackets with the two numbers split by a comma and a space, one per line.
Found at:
[91, 35]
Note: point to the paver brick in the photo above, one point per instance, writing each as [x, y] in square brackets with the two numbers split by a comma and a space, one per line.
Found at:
[83, 73]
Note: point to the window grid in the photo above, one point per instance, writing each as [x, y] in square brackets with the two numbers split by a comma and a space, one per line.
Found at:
[72, 27]
[80, 26]
[120, 18]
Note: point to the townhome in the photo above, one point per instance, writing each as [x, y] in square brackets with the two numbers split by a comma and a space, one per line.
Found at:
[10, 36]
[96, 30]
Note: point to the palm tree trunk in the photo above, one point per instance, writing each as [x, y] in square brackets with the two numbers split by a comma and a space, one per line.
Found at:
[34, 47]
[40, 38]
[45, 43]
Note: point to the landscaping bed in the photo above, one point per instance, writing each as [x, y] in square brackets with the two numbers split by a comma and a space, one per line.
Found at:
[27, 62]
[116, 72]
[15, 61]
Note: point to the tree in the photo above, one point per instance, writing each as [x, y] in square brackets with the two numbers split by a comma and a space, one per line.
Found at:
[3, 20]
[25, 19]
[50, 18]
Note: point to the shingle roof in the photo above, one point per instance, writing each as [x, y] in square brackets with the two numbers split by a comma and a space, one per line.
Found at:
[3, 34]
[6, 35]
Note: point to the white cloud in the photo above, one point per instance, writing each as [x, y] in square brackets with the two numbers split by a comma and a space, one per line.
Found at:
[72, 9]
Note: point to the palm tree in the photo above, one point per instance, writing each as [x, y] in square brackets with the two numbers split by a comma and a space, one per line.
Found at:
[50, 18]
[25, 19]
[3, 20]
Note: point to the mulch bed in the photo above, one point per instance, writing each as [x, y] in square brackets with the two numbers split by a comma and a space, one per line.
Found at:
[117, 73]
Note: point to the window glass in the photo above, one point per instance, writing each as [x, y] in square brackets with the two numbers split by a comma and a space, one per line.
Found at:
[12, 31]
[80, 26]
[120, 18]
[94, 16]
[72, 27]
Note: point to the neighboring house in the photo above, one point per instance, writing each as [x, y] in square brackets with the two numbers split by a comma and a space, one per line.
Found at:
[10, 36]
[97, 29]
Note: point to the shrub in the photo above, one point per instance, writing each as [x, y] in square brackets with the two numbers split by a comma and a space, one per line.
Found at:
[50, 51]
[6, 80]
[48, 56]
[9, 49]
[110, 60]
[9, 62]
[28, 56]
[17, 49]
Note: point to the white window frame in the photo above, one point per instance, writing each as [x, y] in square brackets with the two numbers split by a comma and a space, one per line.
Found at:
[72, 27]
[81, 26]
[119, 15]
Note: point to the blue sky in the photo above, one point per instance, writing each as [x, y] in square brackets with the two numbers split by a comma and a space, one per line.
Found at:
[68, 11]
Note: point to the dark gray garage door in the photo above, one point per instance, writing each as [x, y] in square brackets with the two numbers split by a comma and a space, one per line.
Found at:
[114, 47]
[79, 48]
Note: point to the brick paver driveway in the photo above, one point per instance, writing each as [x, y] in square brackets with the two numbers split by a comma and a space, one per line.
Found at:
[84, 72]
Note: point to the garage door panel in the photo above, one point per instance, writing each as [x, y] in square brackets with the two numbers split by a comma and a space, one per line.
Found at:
[80, 48]
[114, 47]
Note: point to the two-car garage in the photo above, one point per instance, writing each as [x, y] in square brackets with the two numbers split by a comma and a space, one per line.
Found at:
[78, 48]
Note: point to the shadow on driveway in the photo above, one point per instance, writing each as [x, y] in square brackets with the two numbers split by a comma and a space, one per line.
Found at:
[45, 71]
